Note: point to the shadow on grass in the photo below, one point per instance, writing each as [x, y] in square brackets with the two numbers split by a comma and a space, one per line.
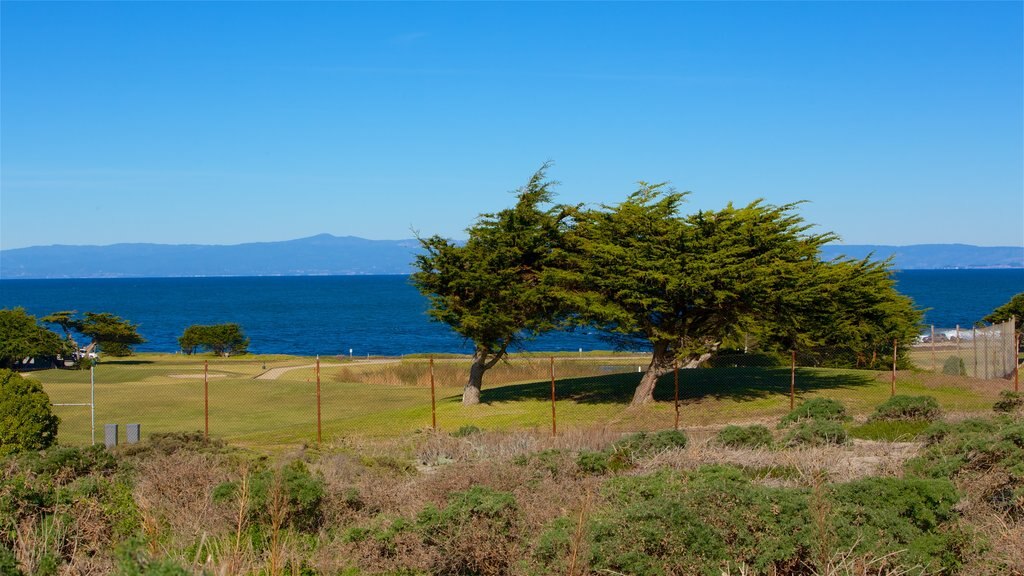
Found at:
[124, 362]
[737, 384]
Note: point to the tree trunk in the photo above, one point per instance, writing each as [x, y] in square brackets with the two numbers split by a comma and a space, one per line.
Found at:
[662, 362]
[471, 394]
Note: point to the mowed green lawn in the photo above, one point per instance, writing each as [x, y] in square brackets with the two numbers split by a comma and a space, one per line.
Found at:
[165, 393]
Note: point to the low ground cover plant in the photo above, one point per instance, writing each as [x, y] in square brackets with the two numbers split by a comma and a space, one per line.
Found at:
[906, 408]
[755, 436]
[816, 409]
[178, 504]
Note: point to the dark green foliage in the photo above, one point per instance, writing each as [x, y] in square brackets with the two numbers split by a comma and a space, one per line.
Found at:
[816, 409]
[133, 560]
[114, 335]
[495, 288]
[650, 443]
[466, 430]
[603, 462]
[991, 449]
[814, 432]
[170, 442]
[901, 407]
[221, 339]
[8, 563]
[1013, 308]
[291, 491]
[659, 524]
[890, 430]
[881, 515]
[22, 337]
[27, 421]
[478, 530]
[954, 366]
[1009, 401]
[755, 436]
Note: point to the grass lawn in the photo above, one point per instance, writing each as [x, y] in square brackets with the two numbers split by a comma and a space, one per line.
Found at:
[165, 393]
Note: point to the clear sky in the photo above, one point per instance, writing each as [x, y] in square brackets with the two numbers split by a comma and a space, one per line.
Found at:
[222, 123]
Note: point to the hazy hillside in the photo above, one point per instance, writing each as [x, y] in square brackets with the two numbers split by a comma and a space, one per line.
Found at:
[347, 255]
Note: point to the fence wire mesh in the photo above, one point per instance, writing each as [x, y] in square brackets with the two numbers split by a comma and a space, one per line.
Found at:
[274, 400]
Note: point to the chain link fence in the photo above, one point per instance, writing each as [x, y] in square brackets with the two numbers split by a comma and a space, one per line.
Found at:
[268, 401]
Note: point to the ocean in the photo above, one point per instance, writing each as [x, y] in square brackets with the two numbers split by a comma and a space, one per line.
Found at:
[385, 315]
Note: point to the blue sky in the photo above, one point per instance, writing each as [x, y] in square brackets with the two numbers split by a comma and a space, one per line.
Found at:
[224, 123]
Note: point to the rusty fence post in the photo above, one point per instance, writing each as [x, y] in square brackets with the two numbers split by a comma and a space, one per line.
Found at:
[792, 379]
[1016, 363]
[554, 429]
[206, 398]
[676, 367]
[433, 400]
[893, 382]
[318, 437]
[933, 348]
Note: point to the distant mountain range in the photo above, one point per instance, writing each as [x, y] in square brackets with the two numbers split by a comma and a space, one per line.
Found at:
[325, 254]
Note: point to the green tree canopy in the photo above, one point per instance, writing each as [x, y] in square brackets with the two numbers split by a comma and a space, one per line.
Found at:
[1012, 309]
[114, 335]
[221, 339]
[22, 337]
[687, 284]
[494, 290]
[27, 421]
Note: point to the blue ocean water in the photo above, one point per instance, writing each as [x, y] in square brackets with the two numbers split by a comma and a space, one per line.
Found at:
[385, 315]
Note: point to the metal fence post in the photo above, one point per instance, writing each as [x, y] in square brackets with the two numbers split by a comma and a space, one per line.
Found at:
[554, 429]
[792, 379]
[893, 383]
[933, 347]
[676, 369]
[92, 398]
[206, 398]
[318, 440]
[433, 397]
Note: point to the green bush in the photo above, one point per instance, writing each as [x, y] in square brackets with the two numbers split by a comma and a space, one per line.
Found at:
[648, 444]
[27, 421]
[816, 409]
[908, 408]
[815, 432]
[479, 532]
[954, 366]
[1008, 402]
[602, 462]
[659, 524]
[301, 492]
[755, 436]
[466, 430]
[989, 449]
[879, 516]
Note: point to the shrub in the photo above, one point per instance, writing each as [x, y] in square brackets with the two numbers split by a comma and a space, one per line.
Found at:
[1008, 402]
[659, 524]
[466, 430]
[27, 421]
[648, 444]
[991, 451]
[478, 531]
[879, 516]
[954, 366]
[908, 408]
[816, 409]
[755, 436]
[598, 463]
[816, 432]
